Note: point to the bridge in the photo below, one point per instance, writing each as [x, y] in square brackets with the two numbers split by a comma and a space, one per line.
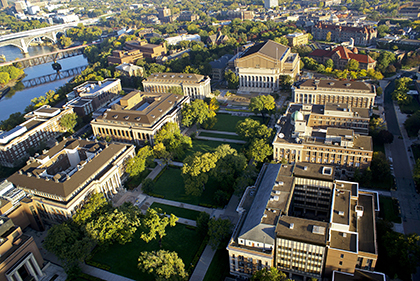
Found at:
[48, 57]
[23, 39]
[53, 76]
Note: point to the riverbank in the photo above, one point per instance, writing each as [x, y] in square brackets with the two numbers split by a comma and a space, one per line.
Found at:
[12, 86]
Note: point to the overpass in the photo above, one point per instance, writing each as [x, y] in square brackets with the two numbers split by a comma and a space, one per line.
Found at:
[23, 39]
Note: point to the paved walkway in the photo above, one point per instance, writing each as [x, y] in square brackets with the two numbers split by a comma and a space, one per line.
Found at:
[150, 200]
[220, 139]
[218, 132]
[102, 274]
[203, 264]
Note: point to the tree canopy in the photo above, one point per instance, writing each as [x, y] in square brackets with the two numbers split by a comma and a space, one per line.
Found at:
[196, 112]
[218, 231]
[68, 122]
[173, 141]
[251, 129]
[263, 104]
[156, 222]
[269, 274]
[164, 265]
[137, 164]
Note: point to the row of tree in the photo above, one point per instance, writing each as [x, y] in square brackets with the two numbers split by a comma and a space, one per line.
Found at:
[9, 73]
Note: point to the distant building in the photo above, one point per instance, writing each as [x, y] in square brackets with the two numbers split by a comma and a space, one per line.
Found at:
[91, 95]
[353, 93]
[268, 4]
[41, 125]
[337, 137]
[20, 256]
[66, 18]
[187, 37]
[259, 67]
[341, 56]
[21, 7]
[151, 51]
[218, 67]
[195, 86]
[130, 70]
[218, 38]
[120, 56]
[62, 179]
[301, 220]
[4, 4]
[139, 116]
[297, 39]
[33, 10]
[363, 36]
[188, 16]
[163, 12]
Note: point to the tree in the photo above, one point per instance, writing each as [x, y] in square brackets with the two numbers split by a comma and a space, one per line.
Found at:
[164, 265]
[262, 104]
[203, 223]
[116, 226]
[218, 231]
[69, 243]
[250, 129]
[65, 41]
[176, 90]
[282, 40]
[4, 78]
[328, 36]
[156, 222]
[259, 150]
[329, 63]
[269, 274]
[68, 122]
[352, 65]
[412, 124]
[134, 166]
[195, 169]
[386, 136]
[196, 112]
[92, 209]
[232, 79]
[286, 81]
[174, 142]
[11, 122]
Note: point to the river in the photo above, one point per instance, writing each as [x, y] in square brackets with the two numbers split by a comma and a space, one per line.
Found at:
[21, 99]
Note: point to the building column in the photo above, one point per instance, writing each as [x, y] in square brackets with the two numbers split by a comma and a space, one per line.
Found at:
[31, 270]
[17, 277]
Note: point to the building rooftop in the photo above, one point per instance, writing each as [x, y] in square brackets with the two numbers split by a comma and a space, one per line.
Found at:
[341, 208]
[189, 78]
[359, 275]
[367, 235]
[93, 88]
[343, 240]
[269, 48]
[66, 167]
[314, 171]
[336, 85]
[303, 230]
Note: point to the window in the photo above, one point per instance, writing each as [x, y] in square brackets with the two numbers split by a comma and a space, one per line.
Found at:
[342, 256]
[340, 263]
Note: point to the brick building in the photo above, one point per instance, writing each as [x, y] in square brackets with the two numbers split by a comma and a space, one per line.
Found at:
[363, 36]
[151, 51]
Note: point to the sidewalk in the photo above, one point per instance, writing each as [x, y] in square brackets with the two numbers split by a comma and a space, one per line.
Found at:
[150, 200]
[220, 139]
[203, 264]
[102, 274]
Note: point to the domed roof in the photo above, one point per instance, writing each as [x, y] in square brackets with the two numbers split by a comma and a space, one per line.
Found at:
[297, 115]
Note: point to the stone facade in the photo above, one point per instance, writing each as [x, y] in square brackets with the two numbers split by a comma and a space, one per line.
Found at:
[363, 36]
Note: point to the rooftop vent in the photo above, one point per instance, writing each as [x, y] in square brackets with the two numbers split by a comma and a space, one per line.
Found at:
[305, 168]
[318, 230]
[359, 211]
[137, 118]
[181, 76]
[115, 116]
[277, 192]
[331, 83]
[347, 84]
[292, 225]
[344, 234]
[327, 171]
[172, 76]
[160, 109]
[126, 117]
[153, 116]
[341, 213]
[279, 183]
[189, 76]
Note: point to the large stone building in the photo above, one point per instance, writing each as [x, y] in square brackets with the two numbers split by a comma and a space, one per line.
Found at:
[363, 36]
[151, 51]
[195, 86]
[62, 179]
[121, 56]
[139, 116]
[341, 56]
[20, 256]
[41, 125]
[260, 67]
[302, 221]
[91, 95]
[353, 93]
[335, 136]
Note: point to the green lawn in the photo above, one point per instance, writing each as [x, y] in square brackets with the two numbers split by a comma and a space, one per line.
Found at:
[227, 122]
[177, 211]
[123, 259]
[219, 266]
[389, 209]
[410, 108]
[207, 146]
[221, 136]
[171, 185]
[133, 182]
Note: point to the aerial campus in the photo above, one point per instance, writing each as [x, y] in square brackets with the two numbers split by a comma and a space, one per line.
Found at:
[205, 140]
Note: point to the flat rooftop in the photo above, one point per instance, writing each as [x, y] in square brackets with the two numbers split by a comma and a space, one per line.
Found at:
[189, 78]
[304, 230]
[343, 240]
[341, 208]
[336, 85]
[366, 225]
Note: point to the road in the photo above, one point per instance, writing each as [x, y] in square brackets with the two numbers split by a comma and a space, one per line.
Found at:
[405, 193]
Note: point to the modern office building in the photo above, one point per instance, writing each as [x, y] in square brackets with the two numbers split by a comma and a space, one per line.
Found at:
[138, 116]
[91, 95]
[20, 257]
[297, 39]
[41, 126]
[260, 67]
[301, 220]
[62, 179]
[353, 93]
[195, 86]
[333, 137]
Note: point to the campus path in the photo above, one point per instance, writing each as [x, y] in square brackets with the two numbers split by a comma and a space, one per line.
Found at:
[103, 274]
[220, 139]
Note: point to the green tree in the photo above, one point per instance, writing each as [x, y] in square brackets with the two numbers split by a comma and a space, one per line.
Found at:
[116, 226]
[352, 65]
[328, 36]
[269, 274]
[250, 129]
[4, 78]
[218, 231]
[156, 222]
[329, 63]
[203, 223]
[262, 104]
[70, 244]
[164, 265]
[134, 166]
[232, 79]
[65, 41]
[259, 150]
[175, 143]
[196, 112]
[92, 209]
[282, 40]
[68, 122]
[286, 81]
[11, 122]
[195, 169]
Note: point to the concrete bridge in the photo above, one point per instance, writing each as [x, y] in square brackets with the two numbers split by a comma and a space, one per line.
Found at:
[23, 39]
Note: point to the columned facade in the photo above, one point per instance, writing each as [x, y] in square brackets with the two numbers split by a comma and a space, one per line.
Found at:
[319, 97]
[26, 266]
